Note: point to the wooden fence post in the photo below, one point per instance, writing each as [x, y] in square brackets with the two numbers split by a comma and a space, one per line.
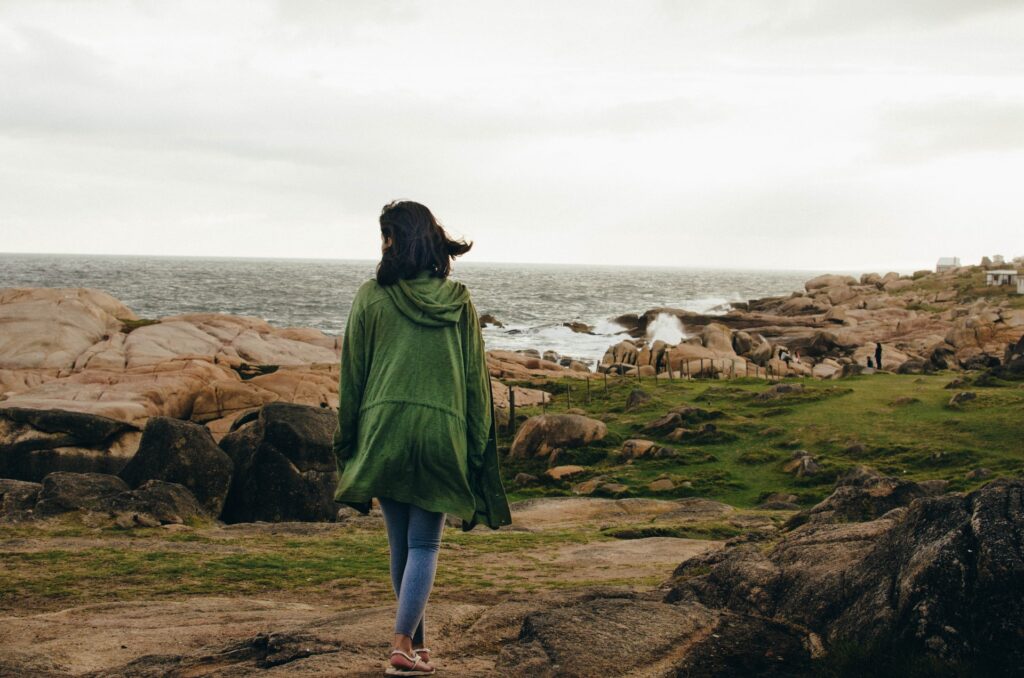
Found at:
[512, 410]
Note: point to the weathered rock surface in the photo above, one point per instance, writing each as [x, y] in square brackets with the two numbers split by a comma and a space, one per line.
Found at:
[942, 577]
[539, 436]
[17, 498]
[34, 443]
[933, 320]
[153, 503]
[64, 491]
[861, 494]
[515, 365]
[47, 327]
[182, 452]
[284, 466]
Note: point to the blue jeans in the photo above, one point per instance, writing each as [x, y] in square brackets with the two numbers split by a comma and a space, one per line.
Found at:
[414, 537]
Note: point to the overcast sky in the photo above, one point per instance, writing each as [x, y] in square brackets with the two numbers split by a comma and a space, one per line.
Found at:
[768, 134]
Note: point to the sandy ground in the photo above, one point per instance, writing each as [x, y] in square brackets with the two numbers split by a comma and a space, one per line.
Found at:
[292, 634]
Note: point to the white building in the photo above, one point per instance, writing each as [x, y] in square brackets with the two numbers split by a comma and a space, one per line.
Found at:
[1020, 284]
[947, 264]
[1002, 276]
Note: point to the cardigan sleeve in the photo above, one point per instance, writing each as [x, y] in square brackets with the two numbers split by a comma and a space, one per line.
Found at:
[351, 382]
[478, 389]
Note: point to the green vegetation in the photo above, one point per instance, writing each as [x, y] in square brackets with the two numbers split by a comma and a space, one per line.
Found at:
[127, 325]
[969, 286]
[900, 424]
[346, 561]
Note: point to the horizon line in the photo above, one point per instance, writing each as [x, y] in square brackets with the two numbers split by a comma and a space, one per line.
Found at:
[506, 263]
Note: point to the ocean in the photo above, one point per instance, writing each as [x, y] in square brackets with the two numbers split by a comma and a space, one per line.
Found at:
[531, 300]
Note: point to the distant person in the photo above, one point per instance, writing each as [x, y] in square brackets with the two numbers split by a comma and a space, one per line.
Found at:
[878, 355]
[415, 416]
[871, 363]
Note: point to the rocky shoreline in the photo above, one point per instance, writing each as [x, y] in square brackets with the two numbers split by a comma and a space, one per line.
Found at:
[925, 322]
[201, 420]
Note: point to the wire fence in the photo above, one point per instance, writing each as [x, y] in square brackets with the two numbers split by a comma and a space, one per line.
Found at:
[698, 369]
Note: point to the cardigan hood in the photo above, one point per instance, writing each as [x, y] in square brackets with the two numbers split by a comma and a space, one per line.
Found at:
[429, 301]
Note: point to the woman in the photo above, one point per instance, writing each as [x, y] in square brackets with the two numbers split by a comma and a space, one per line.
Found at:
[415, 418]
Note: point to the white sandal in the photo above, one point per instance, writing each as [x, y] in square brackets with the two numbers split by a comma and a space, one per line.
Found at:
[412, 670]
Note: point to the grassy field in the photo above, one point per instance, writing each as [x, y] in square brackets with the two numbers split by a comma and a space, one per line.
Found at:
[899, 424]
[63, 562]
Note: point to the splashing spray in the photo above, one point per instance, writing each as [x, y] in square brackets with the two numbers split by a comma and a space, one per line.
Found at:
[666, 327]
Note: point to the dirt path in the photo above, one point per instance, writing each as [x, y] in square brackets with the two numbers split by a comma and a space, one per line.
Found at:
[342, 634]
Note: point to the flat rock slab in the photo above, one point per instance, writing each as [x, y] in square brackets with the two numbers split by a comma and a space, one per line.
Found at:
[554, 513]
[632, 557]
[223, 636]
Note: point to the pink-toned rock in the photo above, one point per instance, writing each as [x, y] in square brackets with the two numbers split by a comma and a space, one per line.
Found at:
[635, 448]
[219, 428]
[897, 285]
[624, 352]
[315, 385]
[228, 397]
[566, 471]
[50, 327]
[539, 436]
[685, 353]
[829, 280]
[168, 388]
[513, 365]
[14, 381]
[803, 306]
[717, 338]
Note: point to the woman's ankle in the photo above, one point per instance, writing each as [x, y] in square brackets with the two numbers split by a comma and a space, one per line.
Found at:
[403, 643]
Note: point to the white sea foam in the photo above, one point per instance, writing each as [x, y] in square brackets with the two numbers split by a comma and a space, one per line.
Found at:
[666, 327]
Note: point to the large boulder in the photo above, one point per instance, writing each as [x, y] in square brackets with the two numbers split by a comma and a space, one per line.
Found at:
[1013, 361]
[742, 342]
[718, 339]
[34, 443]
[804, 306]
[155, 502]
[521, 365]
[182, 452]
[641, 636]
[62, 492]
[625, 352]
[539, 436]
[861, 494]
[51, 326]
[17, 498]
[284, 465]
[130, 395]
[942, 578]
[829, 280]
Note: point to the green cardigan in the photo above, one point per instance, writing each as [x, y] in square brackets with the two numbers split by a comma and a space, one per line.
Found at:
[415, 415]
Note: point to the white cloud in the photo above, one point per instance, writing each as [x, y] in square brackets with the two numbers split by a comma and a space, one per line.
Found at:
[716, 134]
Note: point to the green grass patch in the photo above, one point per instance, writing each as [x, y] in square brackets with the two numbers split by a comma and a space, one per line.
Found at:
[899, 423]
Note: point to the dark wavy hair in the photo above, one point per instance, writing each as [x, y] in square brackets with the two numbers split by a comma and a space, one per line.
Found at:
[418, 242]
